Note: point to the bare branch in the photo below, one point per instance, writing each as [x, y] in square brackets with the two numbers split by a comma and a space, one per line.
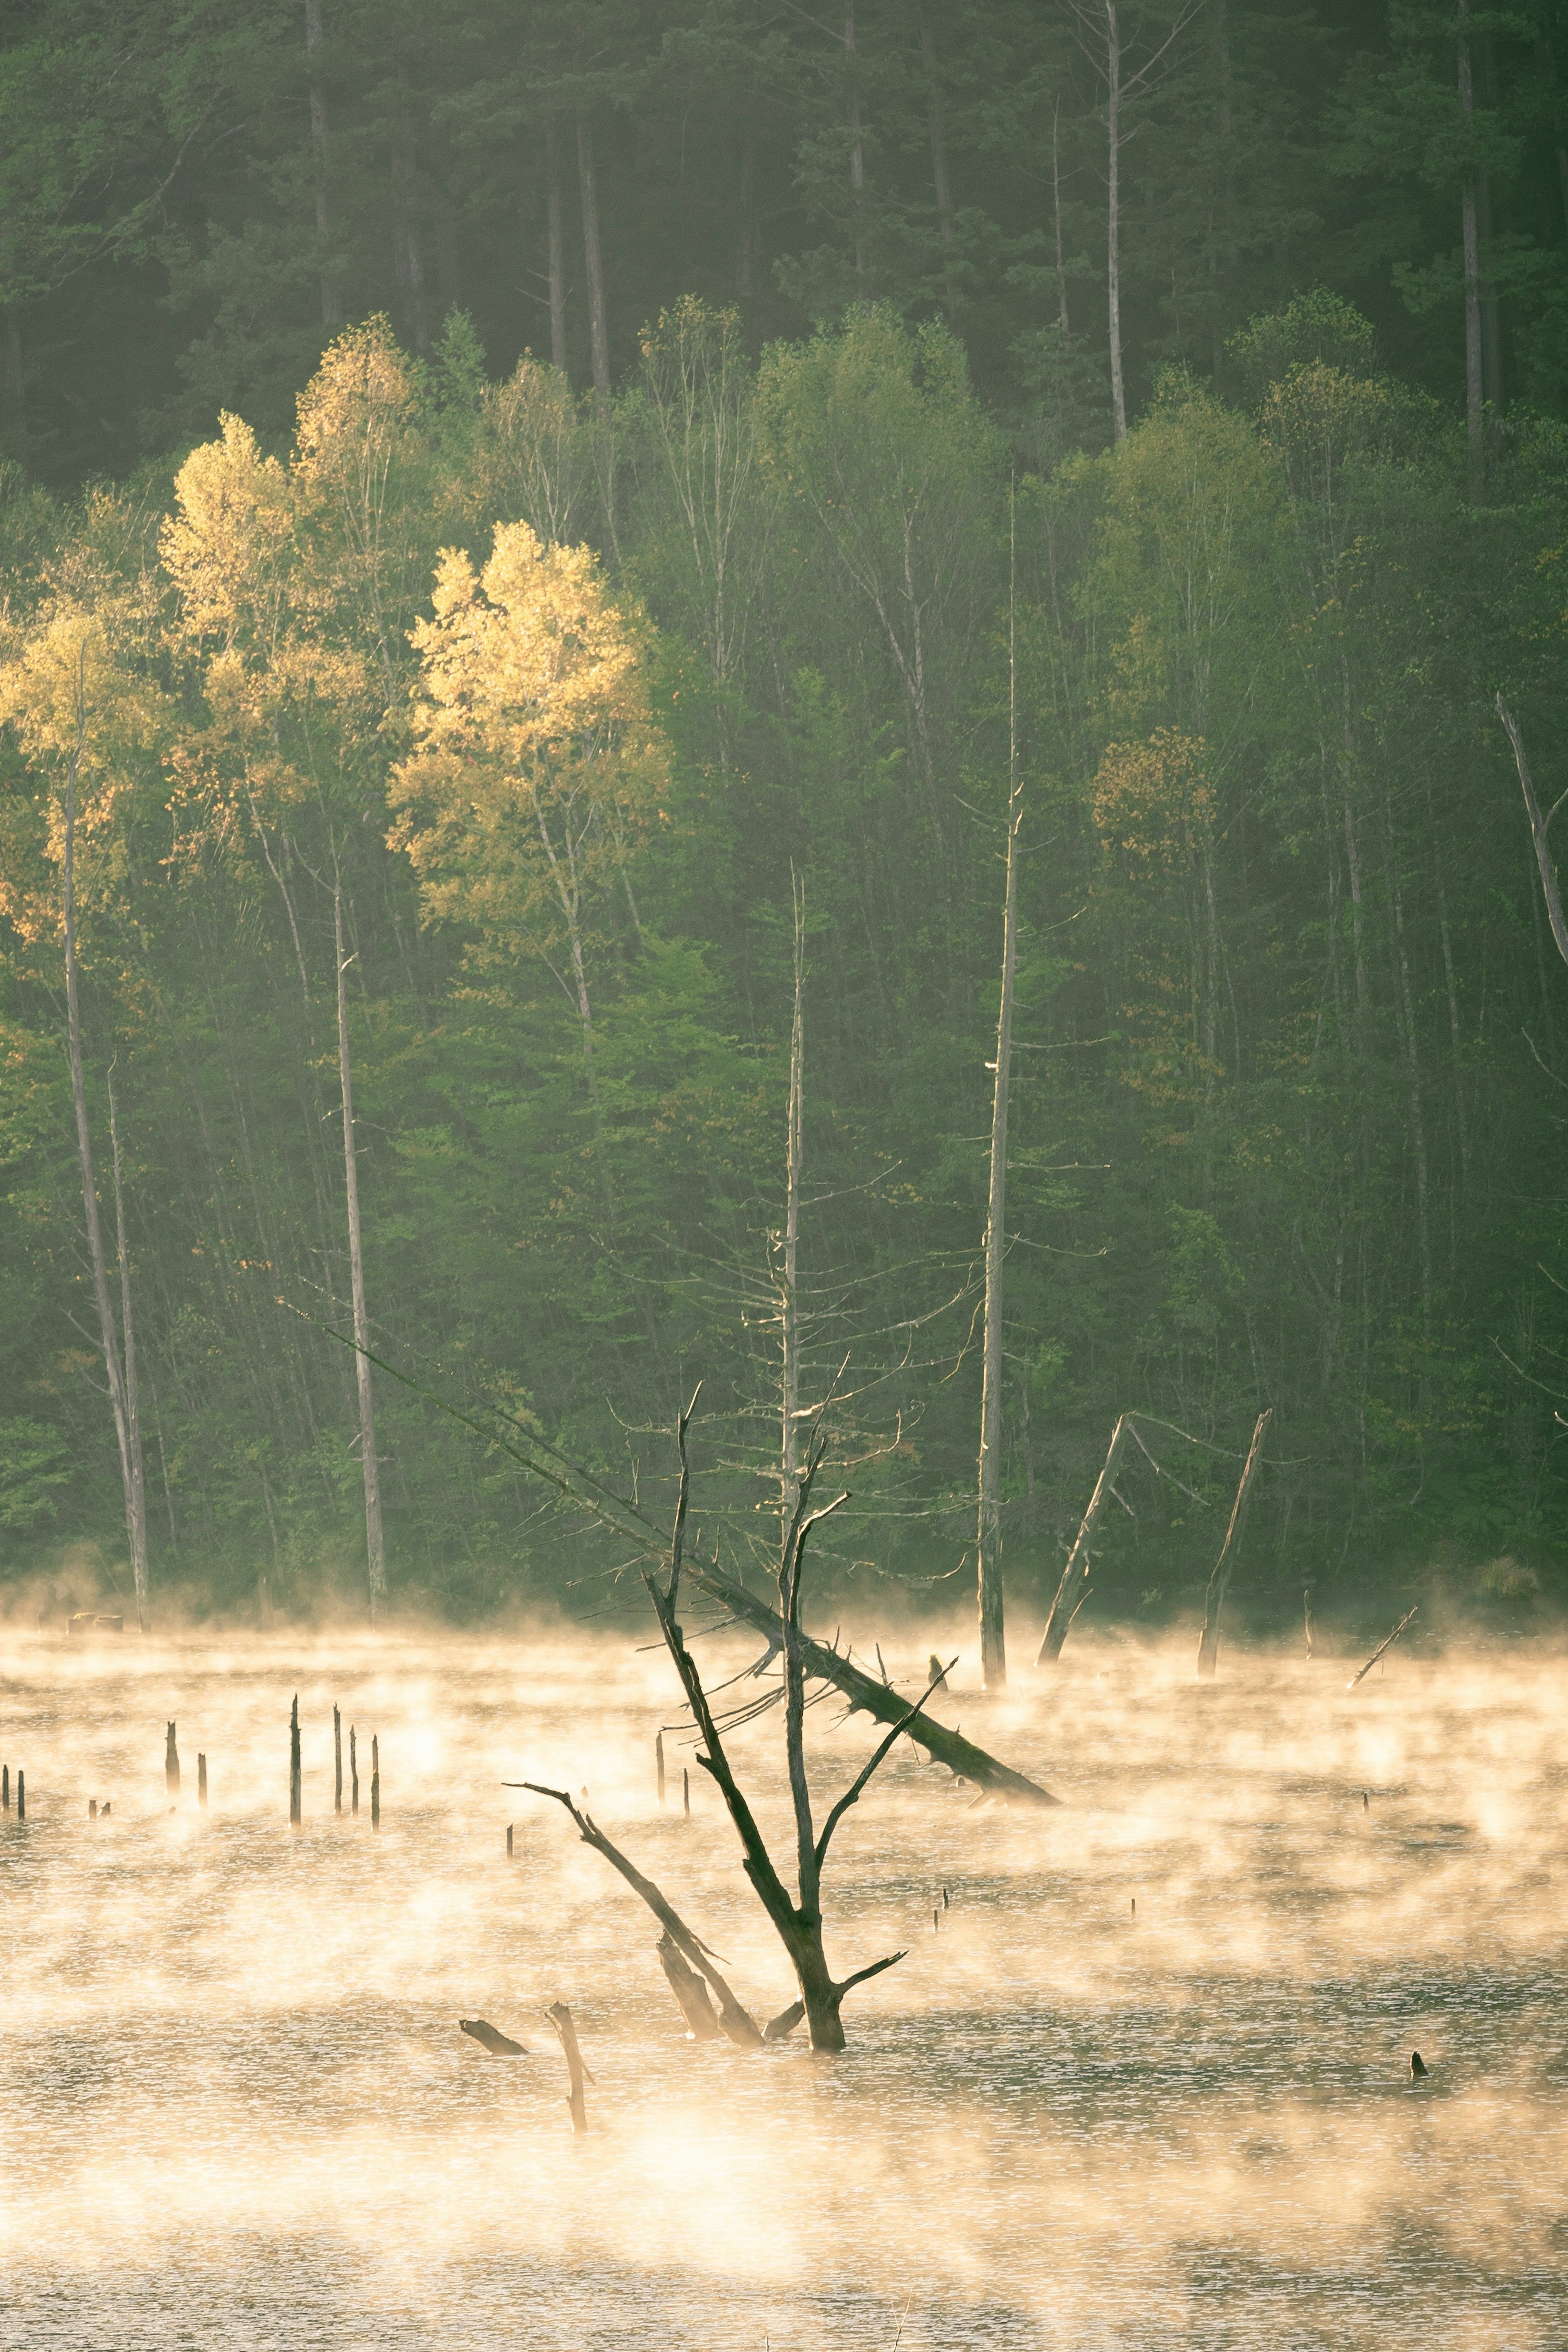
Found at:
[852, 1794]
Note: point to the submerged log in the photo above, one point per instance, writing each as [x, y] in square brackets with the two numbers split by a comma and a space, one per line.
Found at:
[499, 2045]
[560, 2017]
[1418, 2071]
[778, 2028]
[691, 1993]
[866, 1692]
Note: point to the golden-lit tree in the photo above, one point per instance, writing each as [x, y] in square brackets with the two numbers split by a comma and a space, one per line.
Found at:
[539, 765]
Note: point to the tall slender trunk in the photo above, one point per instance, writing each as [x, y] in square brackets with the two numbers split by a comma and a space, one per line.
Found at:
[789, 1318]
[557, 250]
[127, 1429]
[940, 184]
[593, 256]
[1113, 217]
[745, 217]
[988, 1531]
[857, 146]
[1057, 221]
[1491, 320]
[1474, 388]
[1412, 1076]
[332, 300]
[1560, 144]
[374, 1550]
[408, 252]
[137, 1513]
[16, 381]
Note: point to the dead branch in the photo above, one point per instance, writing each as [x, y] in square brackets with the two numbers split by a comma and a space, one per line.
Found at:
[1064, 1608]
[689, 1990]
[733, 2018]
[1377, 1653]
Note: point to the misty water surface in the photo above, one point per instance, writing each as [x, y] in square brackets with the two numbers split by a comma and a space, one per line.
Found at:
[235, 2109]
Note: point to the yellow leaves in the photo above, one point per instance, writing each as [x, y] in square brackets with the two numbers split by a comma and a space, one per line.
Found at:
[227, 547]
[1153, 802]
[538, 762]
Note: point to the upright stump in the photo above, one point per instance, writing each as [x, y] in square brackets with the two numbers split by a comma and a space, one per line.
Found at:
[337, 1761]
[171, 1765]
[374, 1781]
[201, 1780]
[295, 1814]
[353, 1773]
[560, 2017]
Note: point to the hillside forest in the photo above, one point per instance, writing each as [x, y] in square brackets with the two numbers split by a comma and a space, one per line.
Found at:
[562, 562]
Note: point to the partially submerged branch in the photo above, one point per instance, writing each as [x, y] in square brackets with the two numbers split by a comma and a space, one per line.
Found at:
[1377, 1653]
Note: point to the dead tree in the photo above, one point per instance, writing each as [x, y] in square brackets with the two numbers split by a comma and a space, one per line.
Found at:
[1377, 1653]
[560, 2017]
[1074, 1575]
[796, 1917]
[1208, 1641]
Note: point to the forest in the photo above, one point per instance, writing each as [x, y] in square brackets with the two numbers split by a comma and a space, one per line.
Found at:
[526, 528]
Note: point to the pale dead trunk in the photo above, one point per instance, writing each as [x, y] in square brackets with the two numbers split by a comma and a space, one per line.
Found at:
[332, 302]
[1208, 1640]
[136, 1501]
[1537, 825]
[128, 1436]
[557, 250]
[374, 1550]
[1071, 1592]
[592, 256]
[988, 1531]
[789, 1303]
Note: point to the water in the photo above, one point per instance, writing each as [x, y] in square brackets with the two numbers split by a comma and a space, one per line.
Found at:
[235, 2109]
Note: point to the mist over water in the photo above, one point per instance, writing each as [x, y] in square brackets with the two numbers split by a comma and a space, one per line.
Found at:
[236, 2108]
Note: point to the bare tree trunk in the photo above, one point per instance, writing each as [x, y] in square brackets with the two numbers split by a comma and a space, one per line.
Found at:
[1474, 392]
[1208, 1640]
[857, 147]
[745, 212]
[1538, 824]
[137, 1520]
[1113, 217]
[1071, 1592]
[593, 255]
[940, 184]
[557, 251]
[789, 1304]
[988, 1532]
[375, 1551]
[331, 302]
[1057, 221]
[126, 1431]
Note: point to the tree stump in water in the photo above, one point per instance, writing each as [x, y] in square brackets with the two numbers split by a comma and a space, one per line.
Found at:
[171, 1764]
[294, 1794]
[560, 2017]
[690, 1991]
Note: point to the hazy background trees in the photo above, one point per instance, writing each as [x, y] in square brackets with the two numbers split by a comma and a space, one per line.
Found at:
[729, 598]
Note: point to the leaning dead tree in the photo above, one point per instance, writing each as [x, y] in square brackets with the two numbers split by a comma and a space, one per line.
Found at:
[1073, 1589]
[865, 1693]
[1214, 1601]
[1387, 1645]
[795, 1915]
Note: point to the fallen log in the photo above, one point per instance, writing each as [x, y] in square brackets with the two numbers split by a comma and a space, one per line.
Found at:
[866, 1692]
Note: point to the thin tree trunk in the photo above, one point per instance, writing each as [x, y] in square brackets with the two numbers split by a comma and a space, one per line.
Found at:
[1491, 322]
[408, 250]
[1474, 389]
[1113, 217]
[1538, 824]
[1057, 222]
[789, 1432]
[988, 1532]
[598, 331]
[857, 147]
[1208, 1640]
[1071, 1591]
[746, 222]
[127, 1435]
[940, 184]
[331, 302]
[137, 1510]
[1413, 1078]
[375, 1551]
[557, 251]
